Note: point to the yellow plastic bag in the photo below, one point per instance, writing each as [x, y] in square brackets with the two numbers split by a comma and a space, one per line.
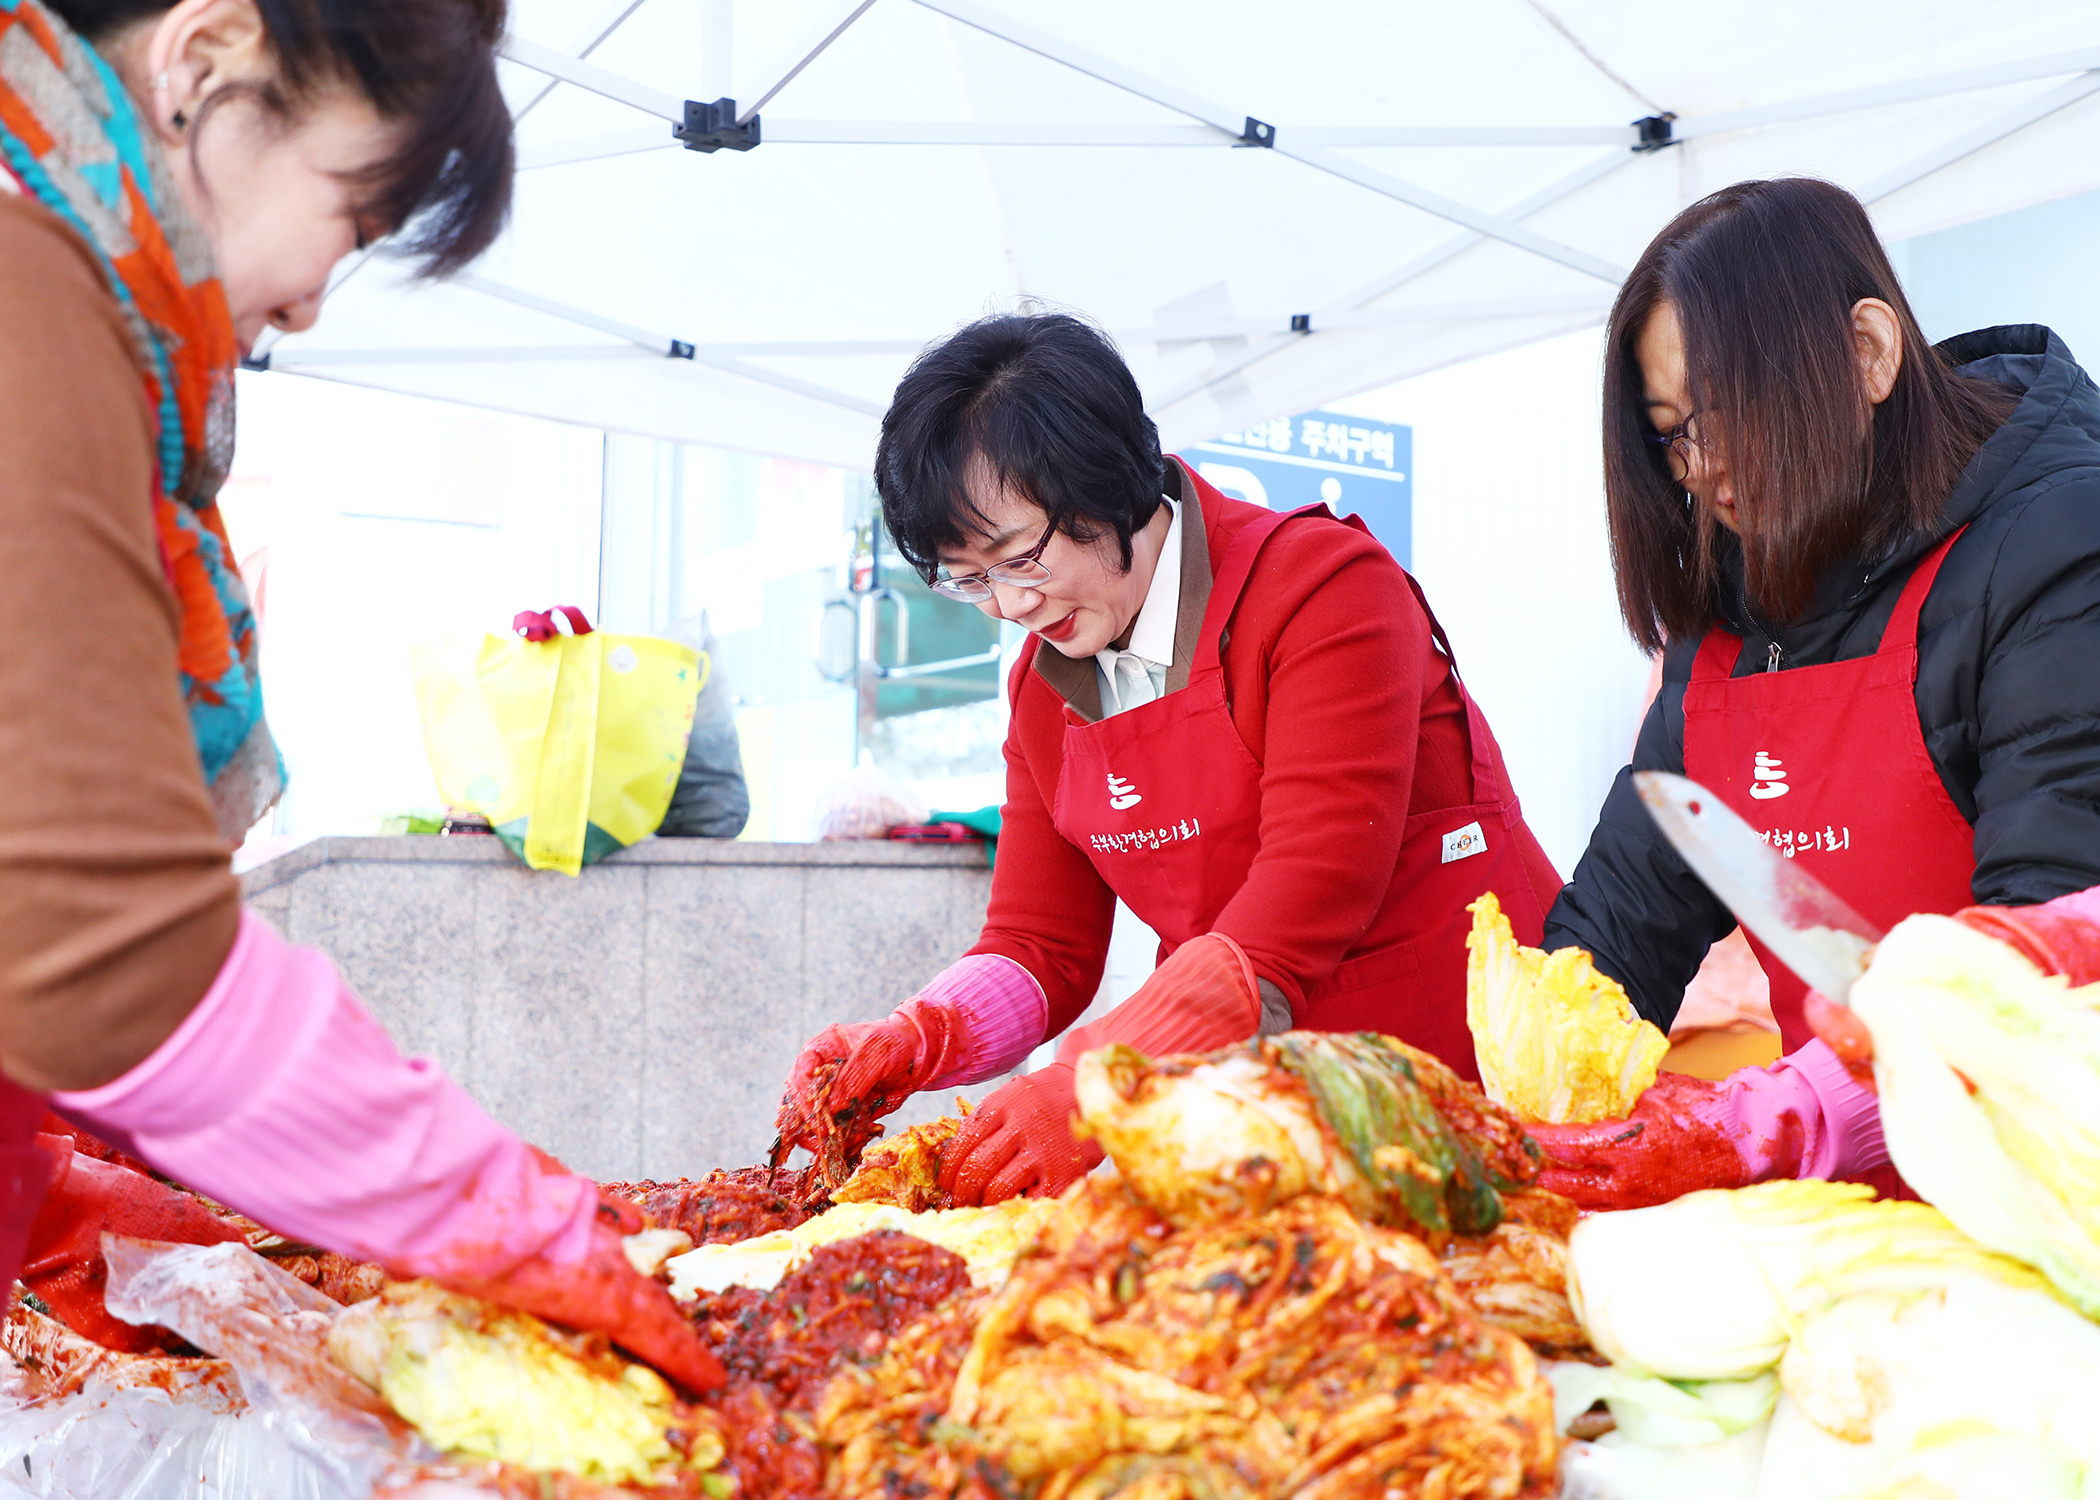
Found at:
[570, 745]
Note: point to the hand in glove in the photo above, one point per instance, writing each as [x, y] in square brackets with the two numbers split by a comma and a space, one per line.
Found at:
[2057, 937]
[598, 1290]
[1804, 1116]
[976, 1019]
[281, 1096]
[1020, 1139]
[1020, 1142]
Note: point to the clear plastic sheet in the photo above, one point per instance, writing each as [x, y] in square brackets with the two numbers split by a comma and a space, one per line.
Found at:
[298, 1428]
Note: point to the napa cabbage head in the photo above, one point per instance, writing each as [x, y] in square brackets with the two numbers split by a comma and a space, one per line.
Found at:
[1989, 1074]
[1976, 1387]
[1713, 1285]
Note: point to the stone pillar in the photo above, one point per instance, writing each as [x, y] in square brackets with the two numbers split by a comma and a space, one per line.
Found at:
[638, 1020]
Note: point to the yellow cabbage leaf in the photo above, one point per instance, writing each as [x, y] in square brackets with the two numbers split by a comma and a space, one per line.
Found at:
[1556, 1040]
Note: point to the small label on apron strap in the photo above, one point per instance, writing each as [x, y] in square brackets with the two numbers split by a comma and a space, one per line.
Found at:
[1464, 843]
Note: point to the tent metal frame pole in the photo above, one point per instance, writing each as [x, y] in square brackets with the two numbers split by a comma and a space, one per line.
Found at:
[1068, 135]
[1411, 270]
[1969, 142]
[1065, 133]
[494, 354]
[610, 20]
[1235, 328]
[1510, 307]
[1908, 91]
[786, 72]
[588, 76]
[1246, 127]
[663, 345]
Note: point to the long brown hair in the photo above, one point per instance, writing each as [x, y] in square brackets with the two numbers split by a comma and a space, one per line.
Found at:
[1763, 277]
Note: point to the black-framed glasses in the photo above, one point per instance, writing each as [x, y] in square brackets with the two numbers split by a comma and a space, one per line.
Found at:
[1679, 444]
[1025, 571]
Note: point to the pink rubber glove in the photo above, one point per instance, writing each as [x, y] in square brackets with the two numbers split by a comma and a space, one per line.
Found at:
[1804, 1116]
[1020, 1139]
[975, 1019]
[281, 1096]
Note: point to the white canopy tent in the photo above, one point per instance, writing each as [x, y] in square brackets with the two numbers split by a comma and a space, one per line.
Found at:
[1271, 207]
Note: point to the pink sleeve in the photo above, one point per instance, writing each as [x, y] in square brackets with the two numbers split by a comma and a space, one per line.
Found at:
[280, 1095]
[1805, 1116]
[1003, 1010]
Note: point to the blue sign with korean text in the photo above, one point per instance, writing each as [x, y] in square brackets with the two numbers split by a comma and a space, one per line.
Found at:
[1349, 463]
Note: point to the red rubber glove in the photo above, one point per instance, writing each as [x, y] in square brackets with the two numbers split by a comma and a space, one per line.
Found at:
[1020, 1141]
[1205, 996]
[605, 1292]
[1839, 1028]
[874, 1065]
[2057, 937]
[1804, 1116]
[64, 1264]
[1678, 1140]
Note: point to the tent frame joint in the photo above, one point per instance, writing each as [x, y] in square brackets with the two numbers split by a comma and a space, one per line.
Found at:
[1257, 133]
[1301, 322]
[679, 349]
[709, 128]
[1656, 131]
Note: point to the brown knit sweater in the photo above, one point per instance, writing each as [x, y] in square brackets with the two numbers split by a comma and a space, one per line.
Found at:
[117, 900]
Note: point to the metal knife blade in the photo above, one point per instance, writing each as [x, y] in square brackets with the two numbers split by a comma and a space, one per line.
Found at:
[1800, 919]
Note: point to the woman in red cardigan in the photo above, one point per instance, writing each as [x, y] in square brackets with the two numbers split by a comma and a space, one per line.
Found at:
[1246, 724]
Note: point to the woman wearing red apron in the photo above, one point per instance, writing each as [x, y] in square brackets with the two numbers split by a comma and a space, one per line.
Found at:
[1246, 725]
[175, 179]
[1873, 568]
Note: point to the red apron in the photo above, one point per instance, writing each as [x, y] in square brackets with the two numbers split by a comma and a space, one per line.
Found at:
[1165, 799]
[26, 1171]
[1829, 764]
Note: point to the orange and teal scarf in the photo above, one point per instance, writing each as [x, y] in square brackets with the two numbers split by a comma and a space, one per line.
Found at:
[71, 136]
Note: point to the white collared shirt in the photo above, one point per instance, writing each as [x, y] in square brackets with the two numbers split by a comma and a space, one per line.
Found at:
[1138, 674]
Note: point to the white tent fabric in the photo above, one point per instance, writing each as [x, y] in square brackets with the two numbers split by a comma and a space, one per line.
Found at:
[1270, 206]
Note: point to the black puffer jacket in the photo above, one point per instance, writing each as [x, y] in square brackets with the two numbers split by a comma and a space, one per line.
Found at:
[2008, 683]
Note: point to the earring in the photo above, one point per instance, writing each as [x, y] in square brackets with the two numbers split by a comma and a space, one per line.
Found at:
[179, 120]
[160, 81]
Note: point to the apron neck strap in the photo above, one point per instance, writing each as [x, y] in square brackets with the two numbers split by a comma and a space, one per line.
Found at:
[1231, 579]
[1902, 629]
[1486, 787]
[1720, 649]
[1718, 654]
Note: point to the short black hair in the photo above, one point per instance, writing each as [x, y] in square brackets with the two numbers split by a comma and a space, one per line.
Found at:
[428, 66]
[1047, 402]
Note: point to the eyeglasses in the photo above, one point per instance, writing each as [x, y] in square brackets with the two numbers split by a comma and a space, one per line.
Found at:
[1678, 445]
[1025, 571]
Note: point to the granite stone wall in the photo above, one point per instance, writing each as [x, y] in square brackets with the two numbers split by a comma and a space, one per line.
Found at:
[638, 1020]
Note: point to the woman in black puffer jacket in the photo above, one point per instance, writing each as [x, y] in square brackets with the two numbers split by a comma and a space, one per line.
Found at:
[1873, 568]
